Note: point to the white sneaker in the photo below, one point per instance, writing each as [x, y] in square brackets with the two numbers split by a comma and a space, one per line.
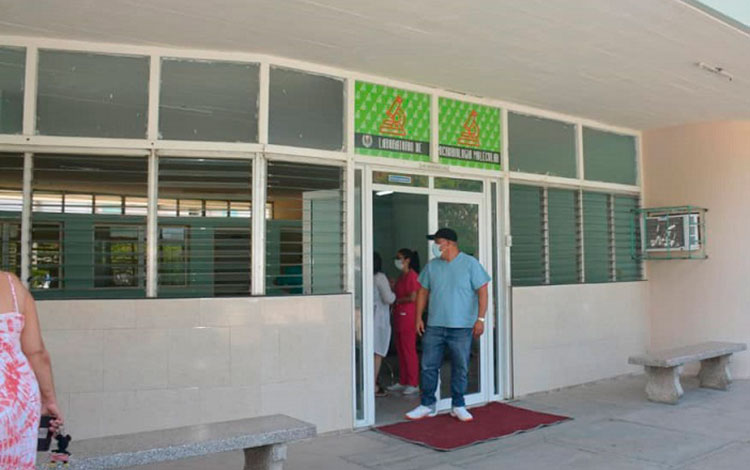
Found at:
[397, 387]
[421, 412]
[461, 413]
[409, 390]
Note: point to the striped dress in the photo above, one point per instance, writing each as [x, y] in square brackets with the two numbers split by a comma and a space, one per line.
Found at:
[20, 404]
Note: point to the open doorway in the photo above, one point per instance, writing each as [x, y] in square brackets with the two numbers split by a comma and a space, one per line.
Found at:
[394, 210]
[400, 220]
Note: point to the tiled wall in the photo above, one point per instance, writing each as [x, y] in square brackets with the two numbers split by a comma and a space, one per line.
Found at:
[125, 366]
[572, 334]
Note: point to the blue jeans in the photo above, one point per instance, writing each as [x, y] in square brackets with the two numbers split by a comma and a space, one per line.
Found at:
[435, 341]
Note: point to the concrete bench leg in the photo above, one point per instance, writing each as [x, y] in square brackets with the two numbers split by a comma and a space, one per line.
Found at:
[715, 373]
[265, 458]
[663, 384]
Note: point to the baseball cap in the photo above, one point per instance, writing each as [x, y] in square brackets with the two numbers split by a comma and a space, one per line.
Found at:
[445, 233]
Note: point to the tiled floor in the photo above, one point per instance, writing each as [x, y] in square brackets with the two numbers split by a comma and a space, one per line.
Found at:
[615, 428]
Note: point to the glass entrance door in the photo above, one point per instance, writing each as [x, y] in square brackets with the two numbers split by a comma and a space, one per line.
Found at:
[396, 210]
[463, 213]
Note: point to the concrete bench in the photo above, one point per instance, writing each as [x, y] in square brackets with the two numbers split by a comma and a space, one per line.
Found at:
[662, 368]
[263, 440]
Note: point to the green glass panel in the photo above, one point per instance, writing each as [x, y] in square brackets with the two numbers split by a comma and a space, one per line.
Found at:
[209, 101]
[305, 110]
[543, 146]
[12, 74]
[563, 236]
[596, 237]
[609, 157]
[527, 252]
[458, 184]
[627, 267]
[83, 94]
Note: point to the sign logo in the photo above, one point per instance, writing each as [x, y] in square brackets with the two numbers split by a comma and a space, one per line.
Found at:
[395, 123]
[367, 140]
[470, 135]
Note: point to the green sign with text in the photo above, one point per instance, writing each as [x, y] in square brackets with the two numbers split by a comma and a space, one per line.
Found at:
[390, 122]
[470, 134]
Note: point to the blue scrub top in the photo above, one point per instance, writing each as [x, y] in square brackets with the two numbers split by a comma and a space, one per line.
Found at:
[453, 298]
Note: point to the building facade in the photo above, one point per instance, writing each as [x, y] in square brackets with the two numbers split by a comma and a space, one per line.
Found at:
[130, 185]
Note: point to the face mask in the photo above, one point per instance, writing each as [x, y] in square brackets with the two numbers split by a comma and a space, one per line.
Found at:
[399, 264]
[436, 250]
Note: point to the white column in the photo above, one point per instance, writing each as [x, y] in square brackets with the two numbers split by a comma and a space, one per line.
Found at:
[152, 232]
[28, 168]
[259, 226]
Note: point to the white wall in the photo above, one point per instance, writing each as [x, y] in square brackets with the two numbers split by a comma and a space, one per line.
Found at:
[572, 334]
[691, 301]
[126, 366]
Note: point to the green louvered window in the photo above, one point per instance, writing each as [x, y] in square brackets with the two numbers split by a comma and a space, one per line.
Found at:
[596, 237]
[526, 222]
[543, 146]
[627, 267]
[563, 236]
[609, 157]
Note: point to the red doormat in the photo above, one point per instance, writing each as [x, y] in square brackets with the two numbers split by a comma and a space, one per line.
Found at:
[492, 421]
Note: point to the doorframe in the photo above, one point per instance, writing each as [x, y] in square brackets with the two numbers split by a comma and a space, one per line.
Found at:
[484, 200]
[486, 372]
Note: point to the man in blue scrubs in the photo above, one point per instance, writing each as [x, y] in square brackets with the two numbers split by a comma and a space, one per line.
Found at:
[457, 288]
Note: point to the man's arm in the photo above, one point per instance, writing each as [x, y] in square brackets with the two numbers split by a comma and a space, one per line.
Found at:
[421, 304]
[479, 324]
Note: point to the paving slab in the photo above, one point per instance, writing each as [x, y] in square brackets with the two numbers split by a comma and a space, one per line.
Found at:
[732, 457]
[554, 456]
[699, 420]
[646, 443]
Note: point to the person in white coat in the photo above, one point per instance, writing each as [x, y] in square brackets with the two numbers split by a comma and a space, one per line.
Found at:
[383, 298]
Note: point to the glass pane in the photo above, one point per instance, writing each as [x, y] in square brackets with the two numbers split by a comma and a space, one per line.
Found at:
[209, 253]
[10, 246]
[46, 256]
[12, 76]
[11, 185]
[94, 249]
[358, 303]
[609, 157]
[173, 256]
[47, 202]
[627, 267]
[210, 101]
[306, 110]
[92, 95]
[538, 145]
[78, 203]
[304, 239]
[11, 205]
[120, 256]
[458, 184]
[563, 236]
[464, 219]
[136, 206]
[527, 251]
[596, 237]
[108, 204]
